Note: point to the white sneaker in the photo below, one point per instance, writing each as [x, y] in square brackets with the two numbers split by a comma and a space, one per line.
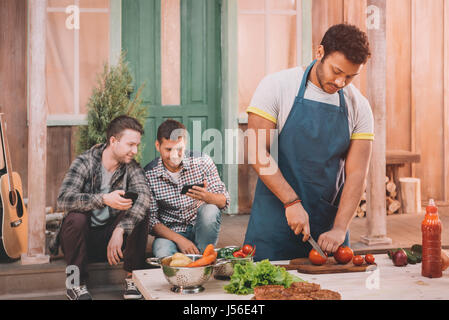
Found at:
[131, 291]
[78, 293]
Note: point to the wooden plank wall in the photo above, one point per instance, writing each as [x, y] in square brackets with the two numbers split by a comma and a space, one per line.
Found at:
[13, 102]
[417, 81]
[13, 86]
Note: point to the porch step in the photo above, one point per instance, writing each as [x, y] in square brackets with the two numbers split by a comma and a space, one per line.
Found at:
[20, 281]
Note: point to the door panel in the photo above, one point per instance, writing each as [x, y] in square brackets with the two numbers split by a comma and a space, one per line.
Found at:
[200, 66]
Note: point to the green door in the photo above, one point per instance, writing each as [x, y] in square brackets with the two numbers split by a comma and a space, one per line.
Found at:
[200, 71]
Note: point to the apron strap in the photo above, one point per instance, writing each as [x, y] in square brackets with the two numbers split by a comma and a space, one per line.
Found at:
[302, 89]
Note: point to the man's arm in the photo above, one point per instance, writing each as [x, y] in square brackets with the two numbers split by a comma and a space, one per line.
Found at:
[185, 245]
[137, 183]
[214, 190]
[356, 170]
[297, 217]
[70, 196]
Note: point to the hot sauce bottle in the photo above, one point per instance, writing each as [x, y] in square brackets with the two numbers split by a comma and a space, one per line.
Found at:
[431, 242]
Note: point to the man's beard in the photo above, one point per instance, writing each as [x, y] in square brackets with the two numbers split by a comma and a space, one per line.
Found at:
[319, 74]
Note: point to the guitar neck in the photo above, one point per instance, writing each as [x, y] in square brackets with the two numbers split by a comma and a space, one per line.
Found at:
[6, 154]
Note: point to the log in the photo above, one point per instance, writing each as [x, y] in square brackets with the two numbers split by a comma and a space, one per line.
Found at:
[393, 194]
[391, 187]
[411, 195]
[393, 205]
[363, 207]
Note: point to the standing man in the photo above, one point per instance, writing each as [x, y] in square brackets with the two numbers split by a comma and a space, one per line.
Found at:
[188, 222]
[325, 138]
[99, 223]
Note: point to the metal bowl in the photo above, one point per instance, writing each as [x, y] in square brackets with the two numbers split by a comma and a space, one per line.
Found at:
[225, 270]
[185, 280]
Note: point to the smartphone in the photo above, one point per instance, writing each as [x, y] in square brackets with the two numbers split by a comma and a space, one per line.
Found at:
[130, 195]
[189, 186]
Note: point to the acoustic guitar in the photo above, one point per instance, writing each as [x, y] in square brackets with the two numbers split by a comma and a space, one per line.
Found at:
[14, 217]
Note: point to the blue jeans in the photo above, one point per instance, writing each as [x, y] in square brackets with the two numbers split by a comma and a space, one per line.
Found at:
[203, 232]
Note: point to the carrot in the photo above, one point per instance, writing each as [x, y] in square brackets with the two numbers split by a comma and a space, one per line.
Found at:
[209, 250]
[204, 260]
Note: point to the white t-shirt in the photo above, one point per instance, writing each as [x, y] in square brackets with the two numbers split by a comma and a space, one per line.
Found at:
[174, 175]
[276, 93]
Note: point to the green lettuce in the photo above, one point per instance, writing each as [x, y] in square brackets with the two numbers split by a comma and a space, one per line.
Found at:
[249, 275]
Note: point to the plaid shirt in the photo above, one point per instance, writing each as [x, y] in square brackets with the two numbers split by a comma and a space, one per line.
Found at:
[81, 185]
[171, 208]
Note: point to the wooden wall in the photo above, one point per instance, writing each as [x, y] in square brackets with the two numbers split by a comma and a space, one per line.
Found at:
[13, 102]
[13, 86]
[417, 80]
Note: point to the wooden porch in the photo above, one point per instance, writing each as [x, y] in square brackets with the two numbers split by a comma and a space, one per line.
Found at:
[47, 281]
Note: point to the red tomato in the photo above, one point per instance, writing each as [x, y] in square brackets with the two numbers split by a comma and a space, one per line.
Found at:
[247, 249]
[343, 255]
[357, 260]
[316, 258]
[239, 254]
[369, 258]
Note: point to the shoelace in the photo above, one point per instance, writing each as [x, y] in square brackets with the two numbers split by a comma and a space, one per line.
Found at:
[80, 290]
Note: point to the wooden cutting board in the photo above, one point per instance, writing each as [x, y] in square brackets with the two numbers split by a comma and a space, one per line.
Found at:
[303, 265]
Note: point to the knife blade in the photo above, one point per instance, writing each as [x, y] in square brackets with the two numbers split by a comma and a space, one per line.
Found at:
[316, 247]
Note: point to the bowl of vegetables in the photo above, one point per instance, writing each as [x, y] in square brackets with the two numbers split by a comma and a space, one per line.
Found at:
[232, 255]
[187, 272]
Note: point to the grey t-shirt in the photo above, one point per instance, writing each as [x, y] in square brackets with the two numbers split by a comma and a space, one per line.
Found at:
[101, 216]
[276, 93]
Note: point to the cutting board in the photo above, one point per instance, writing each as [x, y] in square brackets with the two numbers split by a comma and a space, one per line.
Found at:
[303, 265]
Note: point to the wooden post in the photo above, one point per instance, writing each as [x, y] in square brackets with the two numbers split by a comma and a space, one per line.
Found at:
[37, 135]
[376, 94]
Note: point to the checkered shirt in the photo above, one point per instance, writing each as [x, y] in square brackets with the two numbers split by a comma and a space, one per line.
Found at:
[168, 206]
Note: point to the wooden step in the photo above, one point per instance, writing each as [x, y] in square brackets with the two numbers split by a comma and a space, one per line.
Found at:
[38, 280]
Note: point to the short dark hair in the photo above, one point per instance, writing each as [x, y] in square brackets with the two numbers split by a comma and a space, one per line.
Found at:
[120, 124]
[166, 129]
[349, 40]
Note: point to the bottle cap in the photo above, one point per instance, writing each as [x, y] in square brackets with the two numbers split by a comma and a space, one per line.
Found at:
[431, 207]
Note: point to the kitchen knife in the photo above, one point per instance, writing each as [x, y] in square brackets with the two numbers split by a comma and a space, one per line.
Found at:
[316, 247]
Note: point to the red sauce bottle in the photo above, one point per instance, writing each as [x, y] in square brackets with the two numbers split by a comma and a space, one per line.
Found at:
[431, 242]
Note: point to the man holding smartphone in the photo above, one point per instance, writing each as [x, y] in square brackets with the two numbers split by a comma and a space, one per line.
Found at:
[183, 221]
[102, 221]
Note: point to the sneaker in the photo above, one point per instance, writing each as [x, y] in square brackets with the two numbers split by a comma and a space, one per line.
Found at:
[131, 291]
[78, 293]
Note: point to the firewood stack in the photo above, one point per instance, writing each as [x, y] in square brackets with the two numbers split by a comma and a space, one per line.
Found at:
[393, 204]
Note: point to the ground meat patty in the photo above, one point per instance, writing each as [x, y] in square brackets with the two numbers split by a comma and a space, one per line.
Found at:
[304, 287]
[325, 295]
[297, 291]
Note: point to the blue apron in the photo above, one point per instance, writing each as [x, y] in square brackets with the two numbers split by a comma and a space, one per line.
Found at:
[312, 148]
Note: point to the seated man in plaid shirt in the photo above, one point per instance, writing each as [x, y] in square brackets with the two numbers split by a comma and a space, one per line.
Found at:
[188, 222]
[99, 223]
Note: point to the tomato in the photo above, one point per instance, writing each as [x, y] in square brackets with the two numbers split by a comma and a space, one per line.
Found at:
[239, 254]
[343, 255]
[357, 260]
[316, 258]
[369, 258]
[247, 249]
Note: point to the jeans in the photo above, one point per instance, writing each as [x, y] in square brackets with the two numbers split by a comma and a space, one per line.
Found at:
[82, 244]
[205, 231]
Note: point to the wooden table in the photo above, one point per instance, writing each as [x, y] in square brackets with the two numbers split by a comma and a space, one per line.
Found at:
[387, 282]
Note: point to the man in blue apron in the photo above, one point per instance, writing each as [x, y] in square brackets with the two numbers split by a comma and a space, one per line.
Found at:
[324, 144]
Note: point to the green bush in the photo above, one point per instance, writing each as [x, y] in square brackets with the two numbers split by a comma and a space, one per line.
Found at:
[111, 97]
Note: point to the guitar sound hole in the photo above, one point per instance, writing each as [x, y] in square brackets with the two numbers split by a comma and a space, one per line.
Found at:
[13, 198]
[16, 200]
